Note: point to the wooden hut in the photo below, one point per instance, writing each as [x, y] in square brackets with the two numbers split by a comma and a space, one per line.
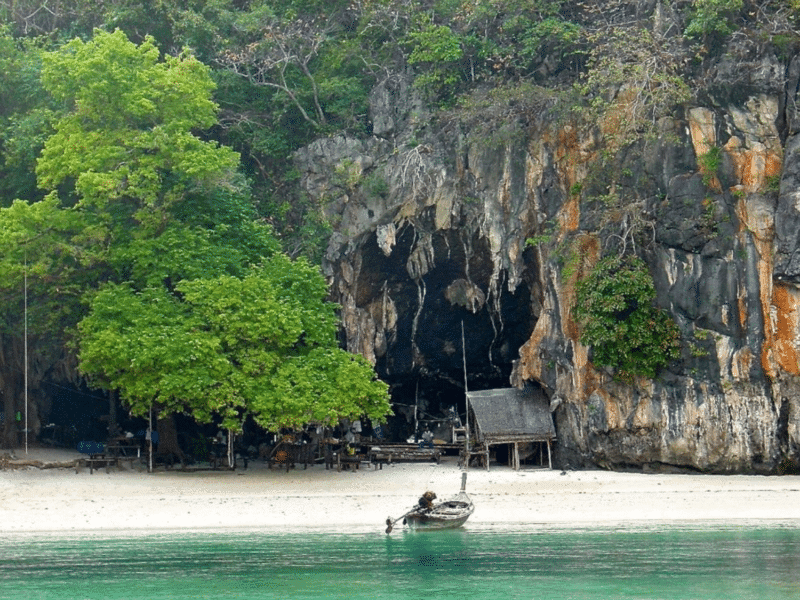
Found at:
[510, 416]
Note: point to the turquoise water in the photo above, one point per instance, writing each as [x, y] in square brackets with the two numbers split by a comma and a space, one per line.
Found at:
[734, 563]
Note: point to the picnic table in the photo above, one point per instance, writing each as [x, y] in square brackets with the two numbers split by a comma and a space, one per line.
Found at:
[349, 461]
[378, 455]
[99, 454]
[124, 449]
[95, 460]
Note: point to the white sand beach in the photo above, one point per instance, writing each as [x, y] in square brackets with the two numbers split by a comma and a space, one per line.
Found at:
[34, 499]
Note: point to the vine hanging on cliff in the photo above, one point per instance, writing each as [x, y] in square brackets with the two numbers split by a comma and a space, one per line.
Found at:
[614, 304]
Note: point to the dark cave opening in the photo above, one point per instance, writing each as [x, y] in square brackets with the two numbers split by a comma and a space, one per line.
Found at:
[455, 296]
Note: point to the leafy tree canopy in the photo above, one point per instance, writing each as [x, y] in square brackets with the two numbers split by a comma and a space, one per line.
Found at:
[188, 321]
[177, 290]
[128, 137]
[261, 345]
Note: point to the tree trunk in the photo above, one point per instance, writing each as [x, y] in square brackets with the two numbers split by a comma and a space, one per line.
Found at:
[113, 426]
[8, 393]
[9, 433]
[168, 448]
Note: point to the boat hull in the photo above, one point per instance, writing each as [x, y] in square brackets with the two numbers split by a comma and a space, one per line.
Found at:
[441, 517]
[429, 524]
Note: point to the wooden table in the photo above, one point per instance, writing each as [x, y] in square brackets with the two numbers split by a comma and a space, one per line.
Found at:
[94, 460]
[347, 461]
[403, 453]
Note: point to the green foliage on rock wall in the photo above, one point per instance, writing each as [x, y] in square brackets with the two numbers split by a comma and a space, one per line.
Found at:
[712, 17]
[614, 305]
[435, 50]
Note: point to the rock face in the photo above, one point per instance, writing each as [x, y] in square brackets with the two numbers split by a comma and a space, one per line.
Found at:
[439, 230]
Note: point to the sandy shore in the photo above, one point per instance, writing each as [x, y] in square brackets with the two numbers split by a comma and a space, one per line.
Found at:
[58, 499]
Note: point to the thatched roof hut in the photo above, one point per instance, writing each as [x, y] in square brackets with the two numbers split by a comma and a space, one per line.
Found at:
[511, 416]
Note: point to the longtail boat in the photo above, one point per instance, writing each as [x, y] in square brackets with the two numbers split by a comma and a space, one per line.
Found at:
[444, 515]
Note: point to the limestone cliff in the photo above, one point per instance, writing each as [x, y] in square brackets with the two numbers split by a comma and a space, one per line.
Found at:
[439, 224]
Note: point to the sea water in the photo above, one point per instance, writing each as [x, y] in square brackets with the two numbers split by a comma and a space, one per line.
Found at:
[662, 562]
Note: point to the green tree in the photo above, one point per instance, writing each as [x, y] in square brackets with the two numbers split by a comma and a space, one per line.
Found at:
[712, 17]
[26, 117]
[261, 345]
[197, 326]
[39, 264]
[128, 141]
[135, 195]
[614, 305]
[436, 51]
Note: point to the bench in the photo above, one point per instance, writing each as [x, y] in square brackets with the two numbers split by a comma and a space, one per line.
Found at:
[286, 454]
[352, 462]
[391, 454]
[94, 461]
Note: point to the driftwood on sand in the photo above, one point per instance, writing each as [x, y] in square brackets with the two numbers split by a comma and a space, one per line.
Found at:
[10, 462]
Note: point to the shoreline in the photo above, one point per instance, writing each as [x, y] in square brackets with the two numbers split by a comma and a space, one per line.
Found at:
[127, 502]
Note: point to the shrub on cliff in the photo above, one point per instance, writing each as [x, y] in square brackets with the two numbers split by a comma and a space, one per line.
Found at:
[625, 331]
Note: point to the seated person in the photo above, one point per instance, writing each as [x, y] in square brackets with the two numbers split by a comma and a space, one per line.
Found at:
[427, 439]
[426, 501]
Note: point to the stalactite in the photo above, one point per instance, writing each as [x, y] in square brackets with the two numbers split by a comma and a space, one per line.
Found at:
[414, 324]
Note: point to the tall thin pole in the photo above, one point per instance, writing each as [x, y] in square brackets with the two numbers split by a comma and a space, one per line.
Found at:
[150, 445]
[25, 347]
[416, 417]
[230, 448]
[466, 392]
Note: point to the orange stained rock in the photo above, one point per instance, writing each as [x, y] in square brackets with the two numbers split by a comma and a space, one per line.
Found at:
[753, 167]
[530, 359]
[742, 312]
[740, 364]
[588, 249]
[568, 141]
[774, 164]
[571, 214]
[702, 129]
[786, 302]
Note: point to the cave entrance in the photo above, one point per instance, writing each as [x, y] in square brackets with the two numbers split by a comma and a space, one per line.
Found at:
[427, 402]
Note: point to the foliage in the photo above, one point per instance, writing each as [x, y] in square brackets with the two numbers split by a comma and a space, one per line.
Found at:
[436, 50]
[26, 117]
[264, 344]
[773, 183]
[633, 79]
[35, 18]
[537, 39]
[513, 37]
[709, 163]
[36, 243]
[614, 305]
[128, 137]
[375, 186]
[712, 17]
[496, 116]
[314, 79]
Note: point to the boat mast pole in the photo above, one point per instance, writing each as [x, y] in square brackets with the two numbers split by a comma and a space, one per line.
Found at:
[416, 418]
[466, 395]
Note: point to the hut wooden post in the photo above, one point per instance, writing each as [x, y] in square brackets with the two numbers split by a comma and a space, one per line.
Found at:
[549, 457]
[516, 456]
